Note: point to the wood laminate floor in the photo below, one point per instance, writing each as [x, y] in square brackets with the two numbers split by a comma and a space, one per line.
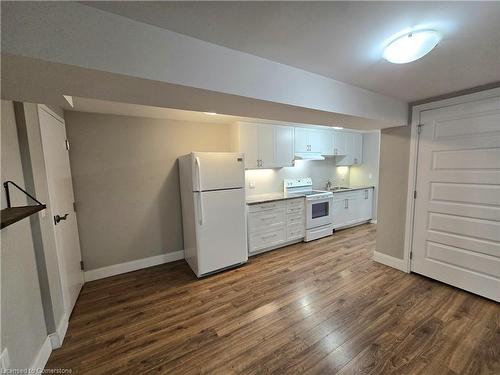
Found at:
[321, 307]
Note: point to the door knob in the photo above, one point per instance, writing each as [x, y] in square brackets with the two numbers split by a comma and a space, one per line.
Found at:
[58, 218]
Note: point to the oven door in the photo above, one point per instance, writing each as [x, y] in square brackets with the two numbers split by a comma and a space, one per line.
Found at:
[319, 212]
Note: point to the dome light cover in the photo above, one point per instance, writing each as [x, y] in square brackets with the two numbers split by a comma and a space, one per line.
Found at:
[411, 46]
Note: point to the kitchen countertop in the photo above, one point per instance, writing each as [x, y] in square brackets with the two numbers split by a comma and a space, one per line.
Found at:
[352, 189]
[271, 197]
[279, 196]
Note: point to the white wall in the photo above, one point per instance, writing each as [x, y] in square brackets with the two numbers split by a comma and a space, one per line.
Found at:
[367, 173]
[271, 180]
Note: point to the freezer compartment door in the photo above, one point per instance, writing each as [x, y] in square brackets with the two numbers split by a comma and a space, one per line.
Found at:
[221, 229]
[217, 170]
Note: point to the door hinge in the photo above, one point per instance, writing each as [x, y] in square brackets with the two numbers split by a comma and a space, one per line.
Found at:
[414, 194]
[81, 265]
[67, 144]
[411, 254]
[419, 128]
[74, 206]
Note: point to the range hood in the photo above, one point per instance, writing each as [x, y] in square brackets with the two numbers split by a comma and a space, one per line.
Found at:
[309, 156]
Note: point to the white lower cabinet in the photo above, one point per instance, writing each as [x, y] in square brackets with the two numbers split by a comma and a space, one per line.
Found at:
[352, 207]
[275, 224]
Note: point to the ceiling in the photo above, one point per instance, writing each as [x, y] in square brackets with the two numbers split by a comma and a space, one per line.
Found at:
[344, 40]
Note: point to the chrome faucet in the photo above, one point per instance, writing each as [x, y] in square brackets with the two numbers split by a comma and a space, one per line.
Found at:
[328, 185]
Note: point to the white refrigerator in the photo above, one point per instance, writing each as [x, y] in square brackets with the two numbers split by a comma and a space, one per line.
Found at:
[213, 210]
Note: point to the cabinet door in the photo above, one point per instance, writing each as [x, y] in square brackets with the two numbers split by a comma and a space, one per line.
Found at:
[348, 145]
[357, 148]
[353, 142]
[319, 141]
[283, 146]
[301, 140]
[339, 143]
[355, 205]
[339, 211]
[249, 144]
[367, 206]
[266, 146]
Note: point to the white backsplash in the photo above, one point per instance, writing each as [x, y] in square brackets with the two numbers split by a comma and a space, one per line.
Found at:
[271, 180]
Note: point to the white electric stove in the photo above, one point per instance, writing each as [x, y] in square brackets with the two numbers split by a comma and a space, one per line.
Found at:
[319, 206]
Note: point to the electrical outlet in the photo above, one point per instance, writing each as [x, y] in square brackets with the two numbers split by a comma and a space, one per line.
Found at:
[4, 359]
[251, 184]
[370, 176]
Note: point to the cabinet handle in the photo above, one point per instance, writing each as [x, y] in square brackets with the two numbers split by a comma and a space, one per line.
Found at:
[366, 194]
[268, 206]
[268, 217]
[269, 236]
[346, 203]
[355, 160]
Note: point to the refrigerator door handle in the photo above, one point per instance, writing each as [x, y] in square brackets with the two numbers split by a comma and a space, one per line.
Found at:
[198, 172]
[200, 206]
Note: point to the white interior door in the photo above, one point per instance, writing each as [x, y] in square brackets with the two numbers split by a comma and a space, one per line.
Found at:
[61, 199]
[456, 236]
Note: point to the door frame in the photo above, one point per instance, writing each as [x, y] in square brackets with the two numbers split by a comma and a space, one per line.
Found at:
[412, 170]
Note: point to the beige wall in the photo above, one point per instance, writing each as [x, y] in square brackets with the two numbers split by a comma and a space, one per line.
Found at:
[23, 326]
[126, 182]
[393, 183]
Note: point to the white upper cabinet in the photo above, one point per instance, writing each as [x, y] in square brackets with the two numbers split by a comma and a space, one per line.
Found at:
[313, 140]
[301, 140]
[249, 144]
[275, 146]
[283, 145]
[339, 143]
[266, 146]
[353, 148]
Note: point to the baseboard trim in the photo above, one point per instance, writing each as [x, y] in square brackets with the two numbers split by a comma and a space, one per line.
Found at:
[134, 265]
[57, 338]
[373, 221]
[42, 356]
[389, 261]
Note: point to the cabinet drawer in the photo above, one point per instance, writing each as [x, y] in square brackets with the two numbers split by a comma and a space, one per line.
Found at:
[295, 219]
[262, 240]
[266, 219]
[295, 205]
[295, 231]
[266, 206]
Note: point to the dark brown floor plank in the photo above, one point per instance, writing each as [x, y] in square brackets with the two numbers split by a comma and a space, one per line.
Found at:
[317, 307]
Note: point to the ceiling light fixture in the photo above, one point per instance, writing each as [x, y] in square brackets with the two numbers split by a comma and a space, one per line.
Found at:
[338, 127]
[210, 113]
[411, 46]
